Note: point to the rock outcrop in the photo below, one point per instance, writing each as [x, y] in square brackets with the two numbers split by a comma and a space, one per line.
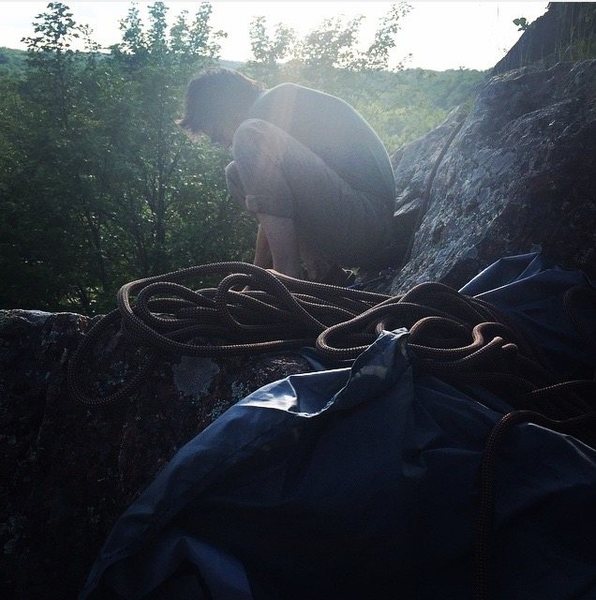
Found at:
[69, 471]
[516, 175]
[566, 32]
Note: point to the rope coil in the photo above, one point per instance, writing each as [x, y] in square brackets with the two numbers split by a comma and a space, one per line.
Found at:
[459, 338]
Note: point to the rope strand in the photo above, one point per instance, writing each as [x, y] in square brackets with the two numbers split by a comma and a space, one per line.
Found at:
[451, 335]
[463, 340]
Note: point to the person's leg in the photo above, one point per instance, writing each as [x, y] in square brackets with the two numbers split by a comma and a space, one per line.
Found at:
[234, 185]
[256, 173]
[280, 234]
[301, 202]
[276, 244]
[262, 256]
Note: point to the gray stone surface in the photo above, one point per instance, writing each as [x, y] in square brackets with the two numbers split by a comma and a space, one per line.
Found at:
[68, 471]
[566, 32]
[517, 177]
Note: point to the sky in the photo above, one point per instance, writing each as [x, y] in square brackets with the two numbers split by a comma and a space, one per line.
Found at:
[438, 35]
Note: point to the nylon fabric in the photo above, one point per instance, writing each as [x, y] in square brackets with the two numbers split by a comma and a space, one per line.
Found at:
[362, 482]
[532, 290]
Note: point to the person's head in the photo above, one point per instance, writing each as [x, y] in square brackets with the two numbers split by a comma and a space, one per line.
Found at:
[217, 101]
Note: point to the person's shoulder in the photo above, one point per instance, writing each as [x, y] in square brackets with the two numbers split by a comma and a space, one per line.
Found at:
[299, 99]
[275, 94]
[289, 88]
[284, 89]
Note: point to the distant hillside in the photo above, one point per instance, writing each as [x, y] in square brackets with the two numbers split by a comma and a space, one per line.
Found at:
[11, 59]
[400, 105]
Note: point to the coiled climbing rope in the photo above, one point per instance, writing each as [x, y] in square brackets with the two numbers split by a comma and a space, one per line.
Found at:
[252, 310]
[166, 318]
[463, 340]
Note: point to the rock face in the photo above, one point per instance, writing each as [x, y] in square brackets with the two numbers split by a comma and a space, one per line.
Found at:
[68, 471]
[566, 32]
[516, 176]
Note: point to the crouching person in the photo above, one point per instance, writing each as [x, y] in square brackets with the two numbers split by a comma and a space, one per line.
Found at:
[307, 165]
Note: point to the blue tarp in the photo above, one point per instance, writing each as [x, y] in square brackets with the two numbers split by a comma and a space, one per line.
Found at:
[363, 482]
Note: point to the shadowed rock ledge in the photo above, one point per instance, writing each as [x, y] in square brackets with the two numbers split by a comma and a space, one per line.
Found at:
[69, 471]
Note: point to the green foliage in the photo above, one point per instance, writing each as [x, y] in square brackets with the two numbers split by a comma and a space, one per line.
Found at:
[324, 56]
[12, 61]
[332, 45]
[377, 55]
[270, 49]
[98, 185]
[522, 23]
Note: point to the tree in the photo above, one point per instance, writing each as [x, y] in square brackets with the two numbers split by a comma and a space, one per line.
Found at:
[54, 240]
[266, 49]
[377, 56]
[155, 80]
[325, 57]
[269, 49]
[101, 185]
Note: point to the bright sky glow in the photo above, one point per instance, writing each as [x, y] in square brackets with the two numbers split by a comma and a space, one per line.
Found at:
[439, 35]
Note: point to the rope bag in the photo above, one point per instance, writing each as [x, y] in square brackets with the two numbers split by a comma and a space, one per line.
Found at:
[460, 339]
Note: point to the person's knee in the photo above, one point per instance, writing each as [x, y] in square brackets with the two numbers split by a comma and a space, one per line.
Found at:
[259, 151]
[234, 184]
[253, 136]
[232, 176]
[251, 128]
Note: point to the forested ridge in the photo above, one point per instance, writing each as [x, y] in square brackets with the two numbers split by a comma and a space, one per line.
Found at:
[99, 186]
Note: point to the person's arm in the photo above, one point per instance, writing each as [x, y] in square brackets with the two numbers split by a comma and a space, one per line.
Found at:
[262, 251]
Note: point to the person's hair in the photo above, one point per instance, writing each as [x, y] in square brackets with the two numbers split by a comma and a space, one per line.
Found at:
[217, 96]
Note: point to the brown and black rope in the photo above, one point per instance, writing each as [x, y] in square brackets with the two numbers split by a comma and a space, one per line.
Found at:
[252, 310]
[460, 339]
